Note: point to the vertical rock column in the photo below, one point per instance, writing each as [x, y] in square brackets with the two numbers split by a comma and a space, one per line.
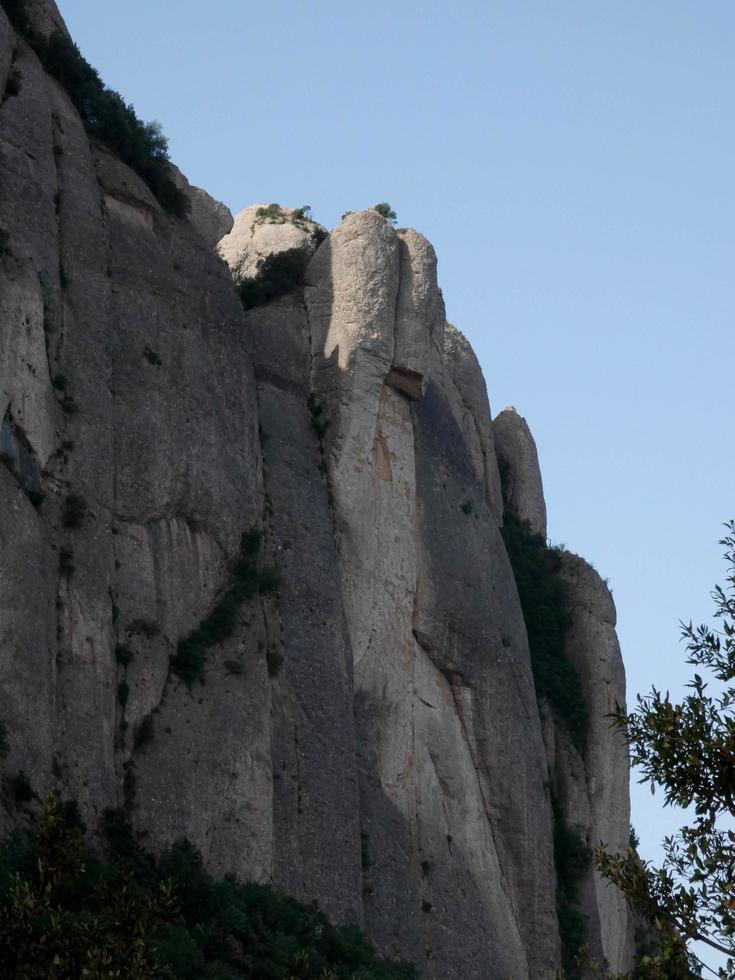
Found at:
[590, 784]
[428, 723]
[591, 644]
[352, 291]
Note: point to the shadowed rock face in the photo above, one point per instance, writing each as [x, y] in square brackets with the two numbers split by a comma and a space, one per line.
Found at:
[591, 789]
[592, 646]
[368, 736]
[44, 16]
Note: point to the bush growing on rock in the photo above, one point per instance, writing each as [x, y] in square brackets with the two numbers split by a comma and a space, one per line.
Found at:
[67, 912]
[541, 591]
[386, 211]
[247, 580]
[105, 114]
[277, 275]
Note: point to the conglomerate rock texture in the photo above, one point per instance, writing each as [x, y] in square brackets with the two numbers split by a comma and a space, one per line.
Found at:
[369, 736]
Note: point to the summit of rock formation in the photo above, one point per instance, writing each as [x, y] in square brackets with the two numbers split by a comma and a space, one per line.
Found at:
[520, 473]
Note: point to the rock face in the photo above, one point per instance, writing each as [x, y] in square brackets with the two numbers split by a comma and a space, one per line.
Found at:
[604, 808]
[263, 230]
[210, 218]
[368, 735]
[519, 469]
[45, 17]
[589, 786]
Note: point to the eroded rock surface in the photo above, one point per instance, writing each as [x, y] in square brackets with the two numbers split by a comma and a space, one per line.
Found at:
[589, 776]
[211, 218]
[367, 734]
[592, 646]
[263, 230]
[520, 474]
[123, 367]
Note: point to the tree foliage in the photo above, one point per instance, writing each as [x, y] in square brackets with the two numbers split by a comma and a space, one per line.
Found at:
[386, 211]
[105, 114]
[688, 749]
[277, 275]
[545, 611]
[66, 913]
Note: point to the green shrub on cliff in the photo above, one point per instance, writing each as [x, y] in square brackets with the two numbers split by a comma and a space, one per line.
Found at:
[247, 579]
[277, 275]
[105, 114]
[541, 590]
[66, 912]
[386, 211]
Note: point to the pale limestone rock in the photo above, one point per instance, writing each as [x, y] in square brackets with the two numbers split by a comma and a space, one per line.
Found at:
[523, 491]
[419, 315]
[393, 767]
[156, 447]
[467, 619]
[255, 237]
[352, 286]
[316, 808]
[406, 751]
[467, 394]
[592, 646]
[212, 219]
[352, 289]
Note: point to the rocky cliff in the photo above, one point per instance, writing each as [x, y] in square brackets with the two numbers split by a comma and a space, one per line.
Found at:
[362, 726]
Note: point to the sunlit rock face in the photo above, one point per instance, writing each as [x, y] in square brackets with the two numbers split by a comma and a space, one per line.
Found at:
[367, 734]
[262, 231]
[519, 469]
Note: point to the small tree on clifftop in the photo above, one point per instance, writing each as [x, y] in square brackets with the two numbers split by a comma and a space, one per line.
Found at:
[386, 211]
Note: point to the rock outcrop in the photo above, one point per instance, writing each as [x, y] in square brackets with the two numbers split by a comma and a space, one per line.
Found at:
[603, 807]
[210, 218]
[368, 733]
[520, 473]
[265, 230]
[589, 782]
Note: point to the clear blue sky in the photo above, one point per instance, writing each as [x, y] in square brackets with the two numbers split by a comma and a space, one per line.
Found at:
[573, 164]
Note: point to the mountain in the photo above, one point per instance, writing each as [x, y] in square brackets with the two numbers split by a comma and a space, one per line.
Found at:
[269, 568]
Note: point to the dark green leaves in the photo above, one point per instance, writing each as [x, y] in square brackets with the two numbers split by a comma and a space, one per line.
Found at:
[688, 749]
[541, 591]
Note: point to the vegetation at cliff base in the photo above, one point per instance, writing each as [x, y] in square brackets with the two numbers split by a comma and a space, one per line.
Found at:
[545, 611]
[66, 912]
[105, 114]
